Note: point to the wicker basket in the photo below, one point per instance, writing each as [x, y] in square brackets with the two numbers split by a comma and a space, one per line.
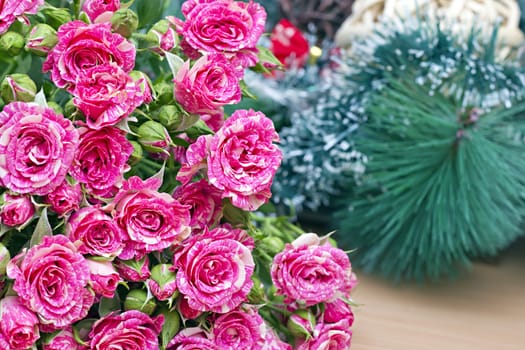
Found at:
[366, 14]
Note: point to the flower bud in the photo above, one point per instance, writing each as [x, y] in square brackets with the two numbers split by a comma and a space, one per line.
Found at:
[162, 283]
[154, 137]
[133, 270]
[137, 299]
[55, 106]
[164, 92]
[185, 310]
[11, 43]
[271, 245]
[17, 211]
[41, 39]
[256, 295]
[17, 87]
[165, 36]
[4, 258]
[124, 22]
[301, 323]
[137, 153]
[55, 17]
[144, 83]
[104, 278]
[70, 108]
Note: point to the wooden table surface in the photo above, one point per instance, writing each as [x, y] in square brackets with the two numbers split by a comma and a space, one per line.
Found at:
[484, 309]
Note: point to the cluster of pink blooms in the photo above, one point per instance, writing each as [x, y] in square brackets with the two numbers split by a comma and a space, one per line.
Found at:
[117, 230]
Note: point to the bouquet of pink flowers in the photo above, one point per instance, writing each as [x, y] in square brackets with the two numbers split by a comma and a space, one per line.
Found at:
[131, 203]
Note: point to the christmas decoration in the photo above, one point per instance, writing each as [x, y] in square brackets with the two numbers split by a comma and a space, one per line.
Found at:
[442, 137]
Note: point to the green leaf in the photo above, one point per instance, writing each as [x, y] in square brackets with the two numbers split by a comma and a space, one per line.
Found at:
[245, 90]
[171, 325]
[42, 228]
[267, 56]
[40, 98]
[149, 11]
[174, 61]
[108, 305]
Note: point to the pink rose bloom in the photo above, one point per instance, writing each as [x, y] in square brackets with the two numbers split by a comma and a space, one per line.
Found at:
[328, 336]
[82, 46]
[151, 220]
[37, 147]
[95, 232]
[65, 198]
[226, 231]
[129, 330]
[106, 95]
[100, 8]
[10, 10]
[104, 277]
[243, 159]
[272, 341]
[192, 339]
[209, 84]
[205, 202]
[135, 270]
[101, 160]
[215, 275]
[336, 311]
[64, 339]
[17, 211]
[214, 120]
[195, 159]
[239, 329]
[51, 279]
[310, 274]
[222, 26]
[18, 325]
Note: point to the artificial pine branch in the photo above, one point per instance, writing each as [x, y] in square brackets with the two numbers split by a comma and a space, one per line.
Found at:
[444, 182]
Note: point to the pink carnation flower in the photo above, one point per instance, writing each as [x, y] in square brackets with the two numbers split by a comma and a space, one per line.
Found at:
[101, 160]
[222, 26]
[243, 159]
[18, 325]
[10, 10]
[209, 84]
[95, 232]
[310, 274]
[37, 147]
[106, 95]
[83, 46]
[51, 279]
[151, 220]
[215, 275]
[129, 330]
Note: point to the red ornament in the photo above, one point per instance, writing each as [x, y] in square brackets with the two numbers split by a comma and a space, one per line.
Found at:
[289, 45]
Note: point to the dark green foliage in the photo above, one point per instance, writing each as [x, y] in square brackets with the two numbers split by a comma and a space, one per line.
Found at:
[444, 182]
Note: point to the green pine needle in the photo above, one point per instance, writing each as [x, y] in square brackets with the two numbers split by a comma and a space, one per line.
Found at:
[441, 185]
